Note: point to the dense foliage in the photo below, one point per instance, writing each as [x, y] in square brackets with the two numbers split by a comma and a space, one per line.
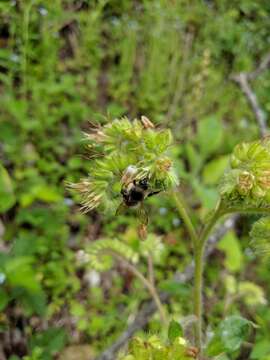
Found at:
[68, 66]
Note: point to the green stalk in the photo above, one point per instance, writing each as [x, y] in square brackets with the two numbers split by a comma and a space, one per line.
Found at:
[181, 207]
[198, 303]
[199, 253]
[248, 210]
[199, 250]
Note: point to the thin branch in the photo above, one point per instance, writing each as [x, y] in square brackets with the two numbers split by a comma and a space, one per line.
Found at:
[149, 308]
[262, 66]
[149, 286]
[242, 79]
[151, 274]
[182, 209]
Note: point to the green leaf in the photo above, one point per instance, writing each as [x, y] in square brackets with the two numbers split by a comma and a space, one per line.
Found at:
[233, 331]
[210, 134]
[20, 273]
[52, 341]
[230, 335]
[47, 194]
[260, 350]
[234, 257]
[215, 347]
[7, 197]
[174, 288]
[214, 169]
[175, 330]
[194, 158]
[34, 302]
[4, 299]
[208, 195]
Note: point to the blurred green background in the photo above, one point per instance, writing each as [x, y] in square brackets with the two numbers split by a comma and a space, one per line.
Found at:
[68, 64]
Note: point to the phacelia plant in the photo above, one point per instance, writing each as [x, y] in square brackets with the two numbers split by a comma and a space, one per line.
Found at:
[131, 161]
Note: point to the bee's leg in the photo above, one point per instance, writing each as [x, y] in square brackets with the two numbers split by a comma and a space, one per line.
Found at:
[121, 209]
[143, 214]
[154, 193]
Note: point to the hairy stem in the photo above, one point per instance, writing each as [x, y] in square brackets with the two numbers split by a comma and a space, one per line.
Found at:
[247, 210]
[198, 277]
[199, 243]
[198, 284]
[182, 209]
[198, 271]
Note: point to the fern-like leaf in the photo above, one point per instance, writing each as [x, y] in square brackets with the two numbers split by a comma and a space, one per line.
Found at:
[100, 253]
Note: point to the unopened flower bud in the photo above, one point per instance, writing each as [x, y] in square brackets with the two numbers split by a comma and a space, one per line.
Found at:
[147, 123]
[164, 164]
[245, 182]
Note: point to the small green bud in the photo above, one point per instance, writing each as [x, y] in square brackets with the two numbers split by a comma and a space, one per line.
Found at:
[258, 192]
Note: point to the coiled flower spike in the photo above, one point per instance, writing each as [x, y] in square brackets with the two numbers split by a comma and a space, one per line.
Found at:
[247, 182]
[260, 235]
[119, 146]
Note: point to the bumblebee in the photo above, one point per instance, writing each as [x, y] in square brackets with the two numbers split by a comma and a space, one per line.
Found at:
[135, 192]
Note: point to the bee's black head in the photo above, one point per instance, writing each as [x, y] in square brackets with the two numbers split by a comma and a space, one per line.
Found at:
[143, 183]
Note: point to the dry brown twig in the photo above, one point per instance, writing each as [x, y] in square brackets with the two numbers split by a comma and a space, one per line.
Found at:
[243, 80]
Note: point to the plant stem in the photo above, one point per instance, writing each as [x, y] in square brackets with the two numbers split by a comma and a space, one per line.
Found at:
[199, 243]
[150, 264]
[198, 284]
[199, 252]
[199, 249]
[150, 287]
[181, 207]
[248, 210]
[219, 211]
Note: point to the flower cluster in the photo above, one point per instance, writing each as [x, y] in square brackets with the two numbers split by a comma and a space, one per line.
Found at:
[248, 179]
[260, 235]
[154, 348]
[118, 147]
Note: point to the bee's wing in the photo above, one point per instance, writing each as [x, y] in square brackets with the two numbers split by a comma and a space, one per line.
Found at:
[121, 209]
